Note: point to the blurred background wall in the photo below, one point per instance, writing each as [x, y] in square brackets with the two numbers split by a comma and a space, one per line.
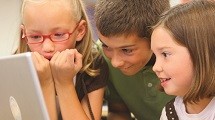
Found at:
[9, 24]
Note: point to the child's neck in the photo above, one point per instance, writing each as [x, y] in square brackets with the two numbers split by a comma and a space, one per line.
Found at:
[198, 107]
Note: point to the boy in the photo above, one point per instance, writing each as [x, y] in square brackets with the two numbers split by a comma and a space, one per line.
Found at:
[124, 31]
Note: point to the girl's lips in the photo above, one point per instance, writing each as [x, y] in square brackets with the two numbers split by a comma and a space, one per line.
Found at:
[49, 57]
[164, 81]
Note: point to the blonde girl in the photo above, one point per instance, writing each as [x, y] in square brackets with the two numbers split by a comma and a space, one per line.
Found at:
[71, 73]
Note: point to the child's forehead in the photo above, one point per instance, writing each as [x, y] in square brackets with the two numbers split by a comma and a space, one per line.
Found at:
[121, 41]
[125, 36]
[47, 10]
[49, 4]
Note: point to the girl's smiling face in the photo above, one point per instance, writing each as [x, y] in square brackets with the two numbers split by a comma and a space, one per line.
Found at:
[173, 64]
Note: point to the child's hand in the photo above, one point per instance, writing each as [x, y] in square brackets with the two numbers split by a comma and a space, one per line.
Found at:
[65, 66]
[43, 69]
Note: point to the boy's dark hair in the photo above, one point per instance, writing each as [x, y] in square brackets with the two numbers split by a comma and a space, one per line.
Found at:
[126, 17]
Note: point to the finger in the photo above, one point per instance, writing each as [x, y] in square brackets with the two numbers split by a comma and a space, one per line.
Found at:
[67, 53]
[35, 58]
[40, 59]
[78, 59]
[54, 58]
[71, 57]
[60, 59]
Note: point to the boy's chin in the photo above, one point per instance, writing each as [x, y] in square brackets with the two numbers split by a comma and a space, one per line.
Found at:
[129, 73]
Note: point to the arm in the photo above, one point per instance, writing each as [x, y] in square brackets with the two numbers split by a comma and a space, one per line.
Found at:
[95, 87]
[96, 102]
[71, 108]
[44, 73]
[50, 100]
[118, 111]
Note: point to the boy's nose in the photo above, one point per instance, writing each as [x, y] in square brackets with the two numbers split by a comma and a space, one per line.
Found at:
[116, 61]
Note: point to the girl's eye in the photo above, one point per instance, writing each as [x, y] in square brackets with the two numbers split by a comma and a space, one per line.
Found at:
[165, 54]
[59, 34]
[34, 37]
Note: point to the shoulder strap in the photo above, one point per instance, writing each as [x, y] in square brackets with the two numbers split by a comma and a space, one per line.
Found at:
[170, 110]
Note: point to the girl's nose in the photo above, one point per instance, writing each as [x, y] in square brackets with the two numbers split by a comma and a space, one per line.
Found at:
[48, 45]
[157, 67]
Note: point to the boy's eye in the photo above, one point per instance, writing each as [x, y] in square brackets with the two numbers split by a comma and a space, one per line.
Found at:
[103, 45]
[127, 51]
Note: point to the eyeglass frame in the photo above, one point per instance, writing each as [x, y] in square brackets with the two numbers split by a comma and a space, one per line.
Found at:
[49, 36]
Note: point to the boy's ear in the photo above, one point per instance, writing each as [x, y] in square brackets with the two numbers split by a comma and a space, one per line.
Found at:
[82, 28]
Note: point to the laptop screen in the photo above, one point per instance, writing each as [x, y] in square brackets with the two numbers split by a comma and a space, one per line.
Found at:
[20, 92]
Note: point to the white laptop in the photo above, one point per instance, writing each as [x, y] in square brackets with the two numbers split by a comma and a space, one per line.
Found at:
[20, 92]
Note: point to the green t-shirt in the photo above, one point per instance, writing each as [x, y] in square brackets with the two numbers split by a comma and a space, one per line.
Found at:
[139, 92]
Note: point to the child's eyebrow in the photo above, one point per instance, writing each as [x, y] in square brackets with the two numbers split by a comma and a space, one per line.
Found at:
[162, 48]
[103, 44]
[121, 47]
[127, 46]
[100, 40]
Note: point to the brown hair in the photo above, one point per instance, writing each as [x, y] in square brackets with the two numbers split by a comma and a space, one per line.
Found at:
[192, 25]
[126, 17]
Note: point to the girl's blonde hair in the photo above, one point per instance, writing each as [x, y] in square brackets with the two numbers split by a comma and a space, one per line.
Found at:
[85, 46]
